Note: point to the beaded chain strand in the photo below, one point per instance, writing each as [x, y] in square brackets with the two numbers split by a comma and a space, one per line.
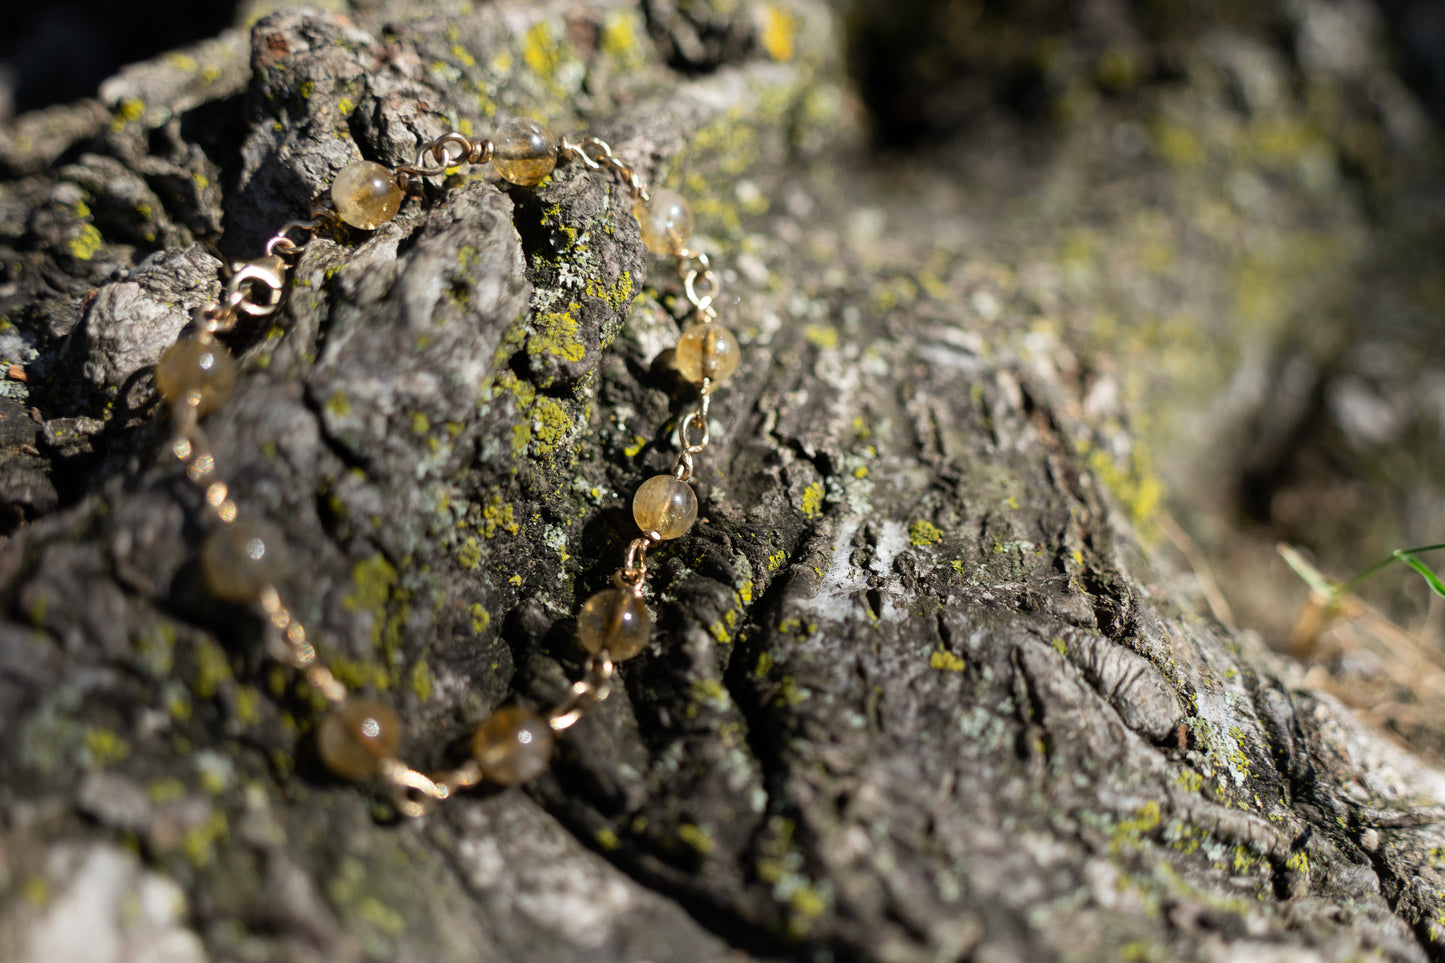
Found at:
[242, 561]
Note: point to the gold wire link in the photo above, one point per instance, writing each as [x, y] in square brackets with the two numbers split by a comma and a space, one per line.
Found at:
[217, 496]
[699, 282]
[320, 679]
[271, 604]
[202, 467]
[281, 244]
[190, 447]
[596, 154]
[301, 654]
[465, 776]
[634, 564]
[215, 318]
[186, 425]
[568, 149]
[586, 692]
[433, 159]
[413, 793]
[264, 275]
[695, 420]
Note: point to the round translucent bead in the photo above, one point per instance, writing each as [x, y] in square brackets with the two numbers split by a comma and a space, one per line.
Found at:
[707, 351]
[354, 739]
[666, 222]
[664, 505]
[513, 745]
[616, 621]
[195, 373]
[366, 195]
[239, 560]
[525, 152]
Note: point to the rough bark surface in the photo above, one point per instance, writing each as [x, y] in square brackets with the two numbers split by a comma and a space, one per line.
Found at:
[917, 691]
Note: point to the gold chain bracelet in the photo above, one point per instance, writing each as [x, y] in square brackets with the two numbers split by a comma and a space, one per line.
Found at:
[242, 561]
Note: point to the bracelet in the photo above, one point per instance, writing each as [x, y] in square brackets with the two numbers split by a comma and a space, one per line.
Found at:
[242, 560]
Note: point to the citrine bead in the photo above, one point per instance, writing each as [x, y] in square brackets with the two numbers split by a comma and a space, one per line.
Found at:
[241, 559]
[195, 373]
[366, 195]
[666, 222]
[354, 739]
[525, 152]
[614, 620]
[707, 351]
[664, 505]
[513, 745]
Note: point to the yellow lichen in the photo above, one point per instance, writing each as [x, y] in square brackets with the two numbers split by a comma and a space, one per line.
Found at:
[105, 747]
[778, 32]
[36, 890]
[469, 554]
[127, 111]
[372, 579]
[355, 674]
[696, 837]
[557, 335]
[212, 668]
[497, 514]
[248, 704]
[200, 841]
[87, 243]
[946, 661]
[821, 335]
[550, 426]
[923, 532]
[1146, 819]
[421, 680]
[813, 500]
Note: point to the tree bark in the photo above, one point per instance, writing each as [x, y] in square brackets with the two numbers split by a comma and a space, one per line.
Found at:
[918, 689]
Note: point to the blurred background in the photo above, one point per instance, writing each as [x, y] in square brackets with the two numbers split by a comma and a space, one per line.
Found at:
[60, 50]
[1233, 215]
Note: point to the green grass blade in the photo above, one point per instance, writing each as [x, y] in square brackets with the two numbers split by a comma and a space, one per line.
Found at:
[1318, 582]
[1407, 555]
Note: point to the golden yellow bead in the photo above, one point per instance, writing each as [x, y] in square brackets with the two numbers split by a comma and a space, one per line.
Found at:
[354, 739]
[191, 372]
[513, 745]
[239, 560]
[666, 222]
[707, 351]
[664, 505]
[525, 152]
[366, 195]
[614, 620]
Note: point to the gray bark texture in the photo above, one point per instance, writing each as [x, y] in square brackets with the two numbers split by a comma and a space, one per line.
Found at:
[923, 687]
